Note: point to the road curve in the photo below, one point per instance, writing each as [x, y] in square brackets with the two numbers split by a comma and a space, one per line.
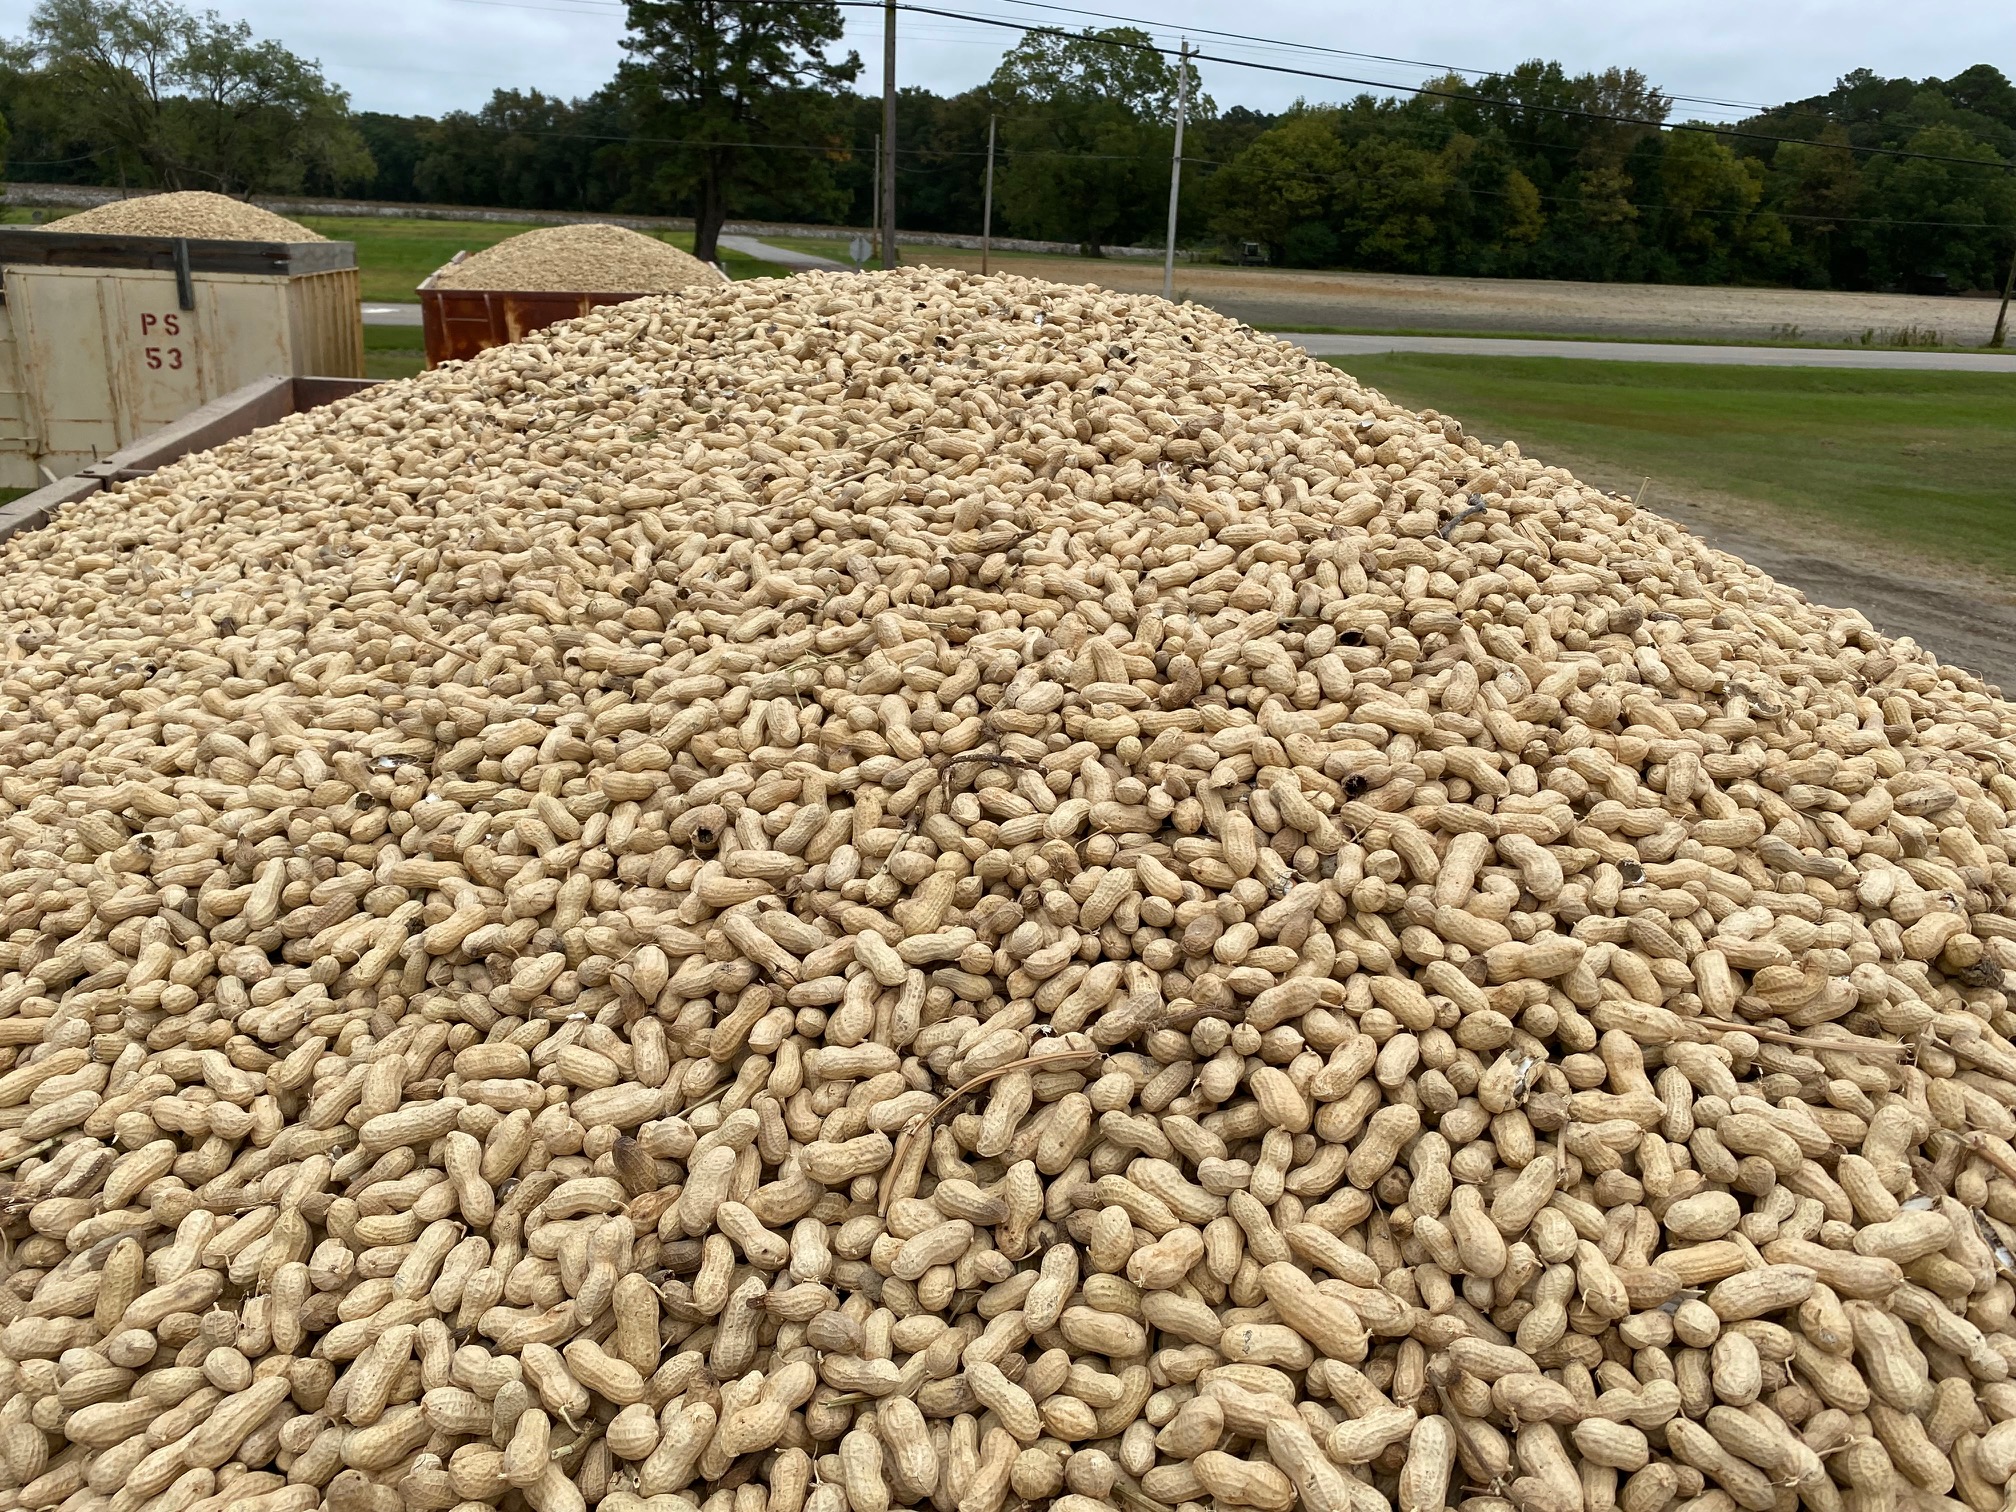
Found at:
[784, 257]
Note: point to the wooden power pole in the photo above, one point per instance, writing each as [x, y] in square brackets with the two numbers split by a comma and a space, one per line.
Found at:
[2002, 315]
[1176, 171]
[889, 133]
[987, 214]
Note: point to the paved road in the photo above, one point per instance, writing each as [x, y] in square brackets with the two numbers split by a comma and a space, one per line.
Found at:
[391, 314]
[1650, 351]
[784, 257]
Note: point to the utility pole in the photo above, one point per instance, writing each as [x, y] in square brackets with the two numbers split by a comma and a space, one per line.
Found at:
[2002, 315]
[1176, 170]
[889, 133]
[875, 202]
[987, 215]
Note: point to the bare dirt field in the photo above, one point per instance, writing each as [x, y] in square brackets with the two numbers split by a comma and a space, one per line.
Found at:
[1292, 300]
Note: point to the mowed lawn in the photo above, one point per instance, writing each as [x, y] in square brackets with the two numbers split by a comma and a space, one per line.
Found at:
[393, 351]
[1923, 461]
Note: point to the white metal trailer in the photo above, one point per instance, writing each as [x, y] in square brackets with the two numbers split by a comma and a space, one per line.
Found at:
[104, 339]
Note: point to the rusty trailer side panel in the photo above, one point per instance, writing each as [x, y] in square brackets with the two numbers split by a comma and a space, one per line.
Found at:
[456, 324]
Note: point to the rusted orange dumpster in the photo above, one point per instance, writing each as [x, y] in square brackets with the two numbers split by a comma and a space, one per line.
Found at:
[459, 323]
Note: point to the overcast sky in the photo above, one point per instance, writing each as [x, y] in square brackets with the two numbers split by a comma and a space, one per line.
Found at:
[427, 56]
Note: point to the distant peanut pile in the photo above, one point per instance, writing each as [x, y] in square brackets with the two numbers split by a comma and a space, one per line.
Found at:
[193, 213]
[862, 891]
[590, 259]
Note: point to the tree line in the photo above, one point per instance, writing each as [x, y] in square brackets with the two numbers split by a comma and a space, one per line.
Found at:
[726, 111]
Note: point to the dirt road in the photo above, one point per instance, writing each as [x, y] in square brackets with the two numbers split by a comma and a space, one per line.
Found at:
[1291, 300]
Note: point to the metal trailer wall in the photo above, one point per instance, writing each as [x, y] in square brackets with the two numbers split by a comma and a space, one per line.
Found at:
[264, 401]
[459, 323]
[105, 339]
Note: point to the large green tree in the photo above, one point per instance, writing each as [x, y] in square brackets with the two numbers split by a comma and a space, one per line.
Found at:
[1087, 126]
[395, 145]
[179, 100]
[529, 149]
[739, 99]
[1861, 220]
[742, 107]
[1706, 196]
[1949, 223]
[1289, 177]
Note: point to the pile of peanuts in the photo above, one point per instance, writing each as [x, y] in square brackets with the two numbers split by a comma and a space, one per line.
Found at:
[196, 213]
[588, 255]
[877, 890]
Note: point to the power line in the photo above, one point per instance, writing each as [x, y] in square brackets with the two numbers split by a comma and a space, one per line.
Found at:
[1338, 52]
[1570, 111]
[851, 149]
[846, 149]
[1567, 111]
[1206, 31]
[592, 7]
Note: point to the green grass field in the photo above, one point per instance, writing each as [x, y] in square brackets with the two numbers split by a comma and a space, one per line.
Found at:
[393, 351]
[1915, 460]
[818, 246]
